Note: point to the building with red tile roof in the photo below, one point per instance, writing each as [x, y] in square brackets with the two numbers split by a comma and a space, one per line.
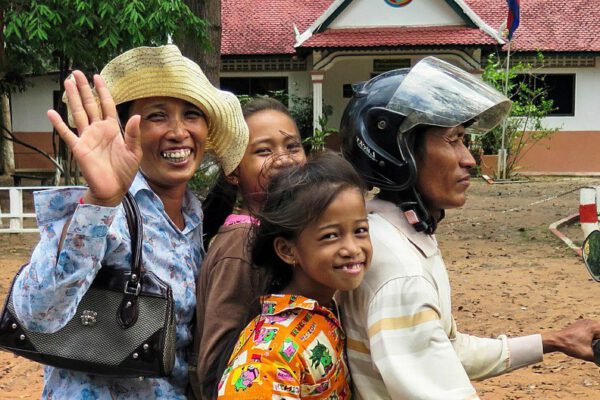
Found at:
[318, 48]
[338, 42]
[267, 26]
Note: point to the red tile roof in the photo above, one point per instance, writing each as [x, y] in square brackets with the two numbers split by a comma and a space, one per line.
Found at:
[266, 26]
[407, 36]
[547, 25]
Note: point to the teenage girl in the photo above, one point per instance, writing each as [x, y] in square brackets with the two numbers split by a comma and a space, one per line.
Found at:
[227, 284]
[312, 240]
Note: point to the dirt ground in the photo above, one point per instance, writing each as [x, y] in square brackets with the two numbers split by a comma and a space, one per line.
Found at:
[509, 275]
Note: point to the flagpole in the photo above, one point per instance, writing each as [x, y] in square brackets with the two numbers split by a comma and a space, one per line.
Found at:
[512, 23]
[502, 154]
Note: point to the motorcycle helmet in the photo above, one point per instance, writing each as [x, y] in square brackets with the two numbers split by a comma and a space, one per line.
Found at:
[386, 114]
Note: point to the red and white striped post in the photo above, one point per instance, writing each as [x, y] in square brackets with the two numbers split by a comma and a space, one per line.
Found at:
[588, 212]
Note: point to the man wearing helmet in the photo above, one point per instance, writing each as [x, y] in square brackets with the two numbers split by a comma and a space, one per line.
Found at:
[404, 132]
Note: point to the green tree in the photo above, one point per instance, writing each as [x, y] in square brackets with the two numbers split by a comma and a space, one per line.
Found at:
[318, 139]
[62, 35]
[524, 125]
[207, 56]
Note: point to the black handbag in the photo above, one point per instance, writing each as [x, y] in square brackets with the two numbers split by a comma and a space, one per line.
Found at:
[124, 324]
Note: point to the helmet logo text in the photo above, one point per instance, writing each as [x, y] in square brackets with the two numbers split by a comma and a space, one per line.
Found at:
[366, 149]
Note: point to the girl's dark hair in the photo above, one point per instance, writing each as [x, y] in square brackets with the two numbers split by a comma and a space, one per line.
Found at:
[295, 198]
[220, 201]
[259, 104]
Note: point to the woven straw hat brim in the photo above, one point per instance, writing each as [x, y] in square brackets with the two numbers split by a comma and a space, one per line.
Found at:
[163, 71]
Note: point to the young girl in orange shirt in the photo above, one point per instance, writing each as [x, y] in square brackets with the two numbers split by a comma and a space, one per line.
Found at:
[312, 240]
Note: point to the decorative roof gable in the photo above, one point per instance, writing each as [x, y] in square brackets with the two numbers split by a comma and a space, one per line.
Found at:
[363, 15]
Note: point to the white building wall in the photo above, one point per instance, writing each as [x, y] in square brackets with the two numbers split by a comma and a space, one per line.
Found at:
[352, 69]
[376, 13]
[346, 71]
[587, 88]
[299, 84]
[29, 107]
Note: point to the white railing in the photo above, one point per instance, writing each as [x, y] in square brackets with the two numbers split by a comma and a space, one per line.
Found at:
[14, 220]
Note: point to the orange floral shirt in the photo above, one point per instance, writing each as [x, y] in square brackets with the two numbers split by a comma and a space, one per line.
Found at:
[293, 349]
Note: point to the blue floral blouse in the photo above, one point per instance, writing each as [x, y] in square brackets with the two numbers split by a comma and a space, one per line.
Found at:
[47, 292]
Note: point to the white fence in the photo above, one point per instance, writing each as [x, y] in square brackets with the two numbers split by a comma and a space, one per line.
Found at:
[16, 220]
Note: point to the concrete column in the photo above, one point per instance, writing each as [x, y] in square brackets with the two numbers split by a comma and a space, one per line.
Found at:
[317, 82]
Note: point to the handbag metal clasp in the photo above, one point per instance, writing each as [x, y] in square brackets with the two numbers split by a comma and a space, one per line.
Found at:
[88, 318]
[135, 290]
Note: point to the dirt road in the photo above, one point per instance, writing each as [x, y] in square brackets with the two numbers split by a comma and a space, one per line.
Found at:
[509, 275]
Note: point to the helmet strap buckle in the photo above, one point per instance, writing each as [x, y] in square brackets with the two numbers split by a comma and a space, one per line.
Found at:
[413, 212]
[411, 217]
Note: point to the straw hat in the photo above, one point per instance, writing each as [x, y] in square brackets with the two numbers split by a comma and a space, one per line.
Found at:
[163, 71]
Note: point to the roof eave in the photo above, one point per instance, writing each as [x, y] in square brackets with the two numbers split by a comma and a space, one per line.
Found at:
[323, 21]
[389, 47]
[469, 13]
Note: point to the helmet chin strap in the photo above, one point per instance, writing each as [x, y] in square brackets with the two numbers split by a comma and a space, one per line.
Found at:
[417, 214]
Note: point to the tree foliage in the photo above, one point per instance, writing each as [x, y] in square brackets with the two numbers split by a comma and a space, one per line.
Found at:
[525, 124]
[43, 36]
[60, 35]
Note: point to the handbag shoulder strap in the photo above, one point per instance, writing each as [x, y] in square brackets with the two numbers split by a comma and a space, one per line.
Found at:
[136, 232]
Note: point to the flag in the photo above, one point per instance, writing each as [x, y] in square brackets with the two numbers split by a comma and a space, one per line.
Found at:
[512, 22]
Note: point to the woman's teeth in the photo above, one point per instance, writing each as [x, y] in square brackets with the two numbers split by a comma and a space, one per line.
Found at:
[351, 266]
[176, 155]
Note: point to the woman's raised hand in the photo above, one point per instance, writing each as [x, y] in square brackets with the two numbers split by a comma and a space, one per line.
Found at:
[107, 159]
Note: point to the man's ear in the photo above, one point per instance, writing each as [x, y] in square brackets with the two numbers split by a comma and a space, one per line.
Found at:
[233, 178]
[285, 250]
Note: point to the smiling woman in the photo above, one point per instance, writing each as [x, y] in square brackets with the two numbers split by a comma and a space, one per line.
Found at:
[173, 140]
[172, 116]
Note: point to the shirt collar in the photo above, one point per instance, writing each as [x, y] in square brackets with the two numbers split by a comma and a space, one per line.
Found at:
[234, 219]
[139, 183]
[192, 207]
[427, 244]
[277, 304]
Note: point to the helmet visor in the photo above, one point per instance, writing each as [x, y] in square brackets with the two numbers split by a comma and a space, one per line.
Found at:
[440, 94]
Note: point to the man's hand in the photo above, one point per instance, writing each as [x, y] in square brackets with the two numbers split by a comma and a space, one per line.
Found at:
[574, 340]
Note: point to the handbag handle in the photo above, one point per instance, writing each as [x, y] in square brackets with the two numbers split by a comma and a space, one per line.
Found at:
[128, 310]
[136, 233]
